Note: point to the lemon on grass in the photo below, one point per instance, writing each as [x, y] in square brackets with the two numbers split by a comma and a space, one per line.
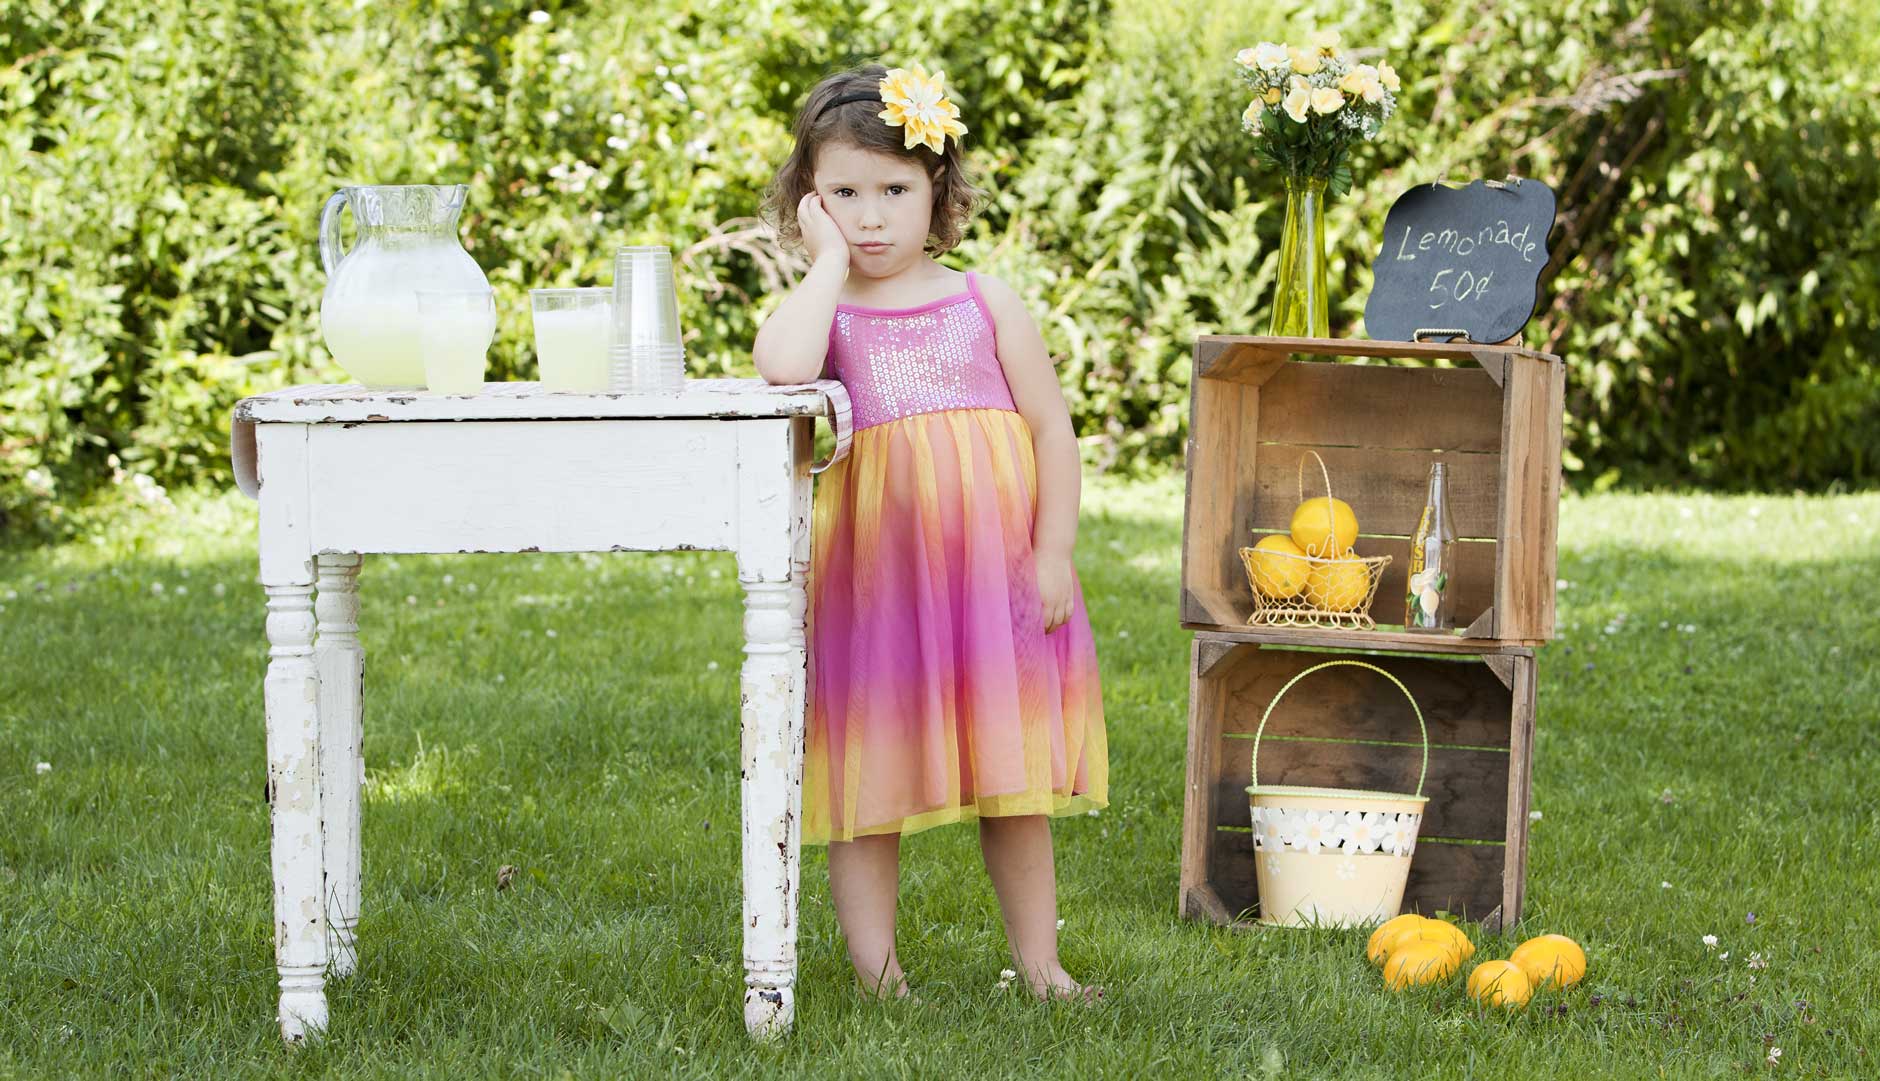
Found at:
[1324, 527]
[1339, 586]
[1550, 961]
[1429, 932]
[1377, 948]
[1500, 983]
[1413, 964]
[1454, 935]
[1279, 567]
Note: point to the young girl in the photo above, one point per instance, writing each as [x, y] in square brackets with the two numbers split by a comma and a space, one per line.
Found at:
[952, 672]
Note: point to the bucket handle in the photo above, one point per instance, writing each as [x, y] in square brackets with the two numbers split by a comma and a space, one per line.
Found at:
[1422, 772]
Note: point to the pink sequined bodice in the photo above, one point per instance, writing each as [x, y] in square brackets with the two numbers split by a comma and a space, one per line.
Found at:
[903, 361]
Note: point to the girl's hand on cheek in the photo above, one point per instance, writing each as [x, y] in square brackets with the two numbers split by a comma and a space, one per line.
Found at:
[821, 235]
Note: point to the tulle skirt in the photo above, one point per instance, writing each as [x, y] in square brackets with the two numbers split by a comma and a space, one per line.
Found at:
[935, 695]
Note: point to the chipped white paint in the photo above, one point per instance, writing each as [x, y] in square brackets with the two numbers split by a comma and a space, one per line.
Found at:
[342, 471]
[340, 662]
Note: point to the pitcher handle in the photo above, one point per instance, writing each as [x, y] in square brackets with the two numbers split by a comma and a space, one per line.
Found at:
[330, 250]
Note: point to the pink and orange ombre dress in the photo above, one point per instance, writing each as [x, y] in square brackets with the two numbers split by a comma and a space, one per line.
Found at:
[934, 693]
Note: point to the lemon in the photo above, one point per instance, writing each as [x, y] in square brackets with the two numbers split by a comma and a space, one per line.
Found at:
[1500, 983]
[1375, 950]
[1429, 932]
[1339, 586]
[1453, 934]
[1416, 963]
[1550, 961]
[1279, 567]
[1324, 527]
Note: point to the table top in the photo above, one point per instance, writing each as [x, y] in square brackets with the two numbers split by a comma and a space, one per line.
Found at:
[350, 403]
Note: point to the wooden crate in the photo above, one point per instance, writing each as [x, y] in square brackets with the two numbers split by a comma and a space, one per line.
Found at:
[1255, 410]
[1348, 728]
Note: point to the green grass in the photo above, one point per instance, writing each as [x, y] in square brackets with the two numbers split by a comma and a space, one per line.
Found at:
[1734, 761]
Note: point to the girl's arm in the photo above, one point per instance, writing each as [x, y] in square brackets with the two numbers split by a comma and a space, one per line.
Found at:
[1040, 401]
[793, 343]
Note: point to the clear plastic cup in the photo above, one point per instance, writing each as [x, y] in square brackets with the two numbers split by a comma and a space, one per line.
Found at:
[572, 331]
[646, 352]
[455, 327]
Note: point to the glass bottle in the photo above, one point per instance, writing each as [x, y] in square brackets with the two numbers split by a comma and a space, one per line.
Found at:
[1427, 598]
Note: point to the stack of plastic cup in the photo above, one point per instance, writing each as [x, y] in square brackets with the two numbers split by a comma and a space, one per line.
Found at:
[645, 354]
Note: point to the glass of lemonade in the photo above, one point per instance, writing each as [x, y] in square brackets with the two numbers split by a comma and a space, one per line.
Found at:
[455, 327]
[571, 337]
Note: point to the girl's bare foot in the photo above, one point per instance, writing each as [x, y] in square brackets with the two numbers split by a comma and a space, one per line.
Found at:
[1053, 984]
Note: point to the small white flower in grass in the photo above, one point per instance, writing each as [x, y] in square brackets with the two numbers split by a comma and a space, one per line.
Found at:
[449, 578]
[1006, 976]
[550, 632]
[1724, 956]
[470, 587]
[500, 677]
[409, 599]
[1664, 885]
[1122, 634]
[1775, 1057]
[1710, 942]
[42, 767]
[156, 588]
[1757, 960]
[538, 17]
[1093, 812]
[1534, 816]
[220, 589]
[1060, 925]
[182, 591]
[711, 666]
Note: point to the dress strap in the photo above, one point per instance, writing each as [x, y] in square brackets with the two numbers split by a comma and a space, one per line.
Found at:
[972, 286]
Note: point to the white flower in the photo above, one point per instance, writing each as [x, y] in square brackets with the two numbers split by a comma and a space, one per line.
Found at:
[1060, 925]
[1273, 865]
[1757, 960]
[1006, 976]
[1250, 119]
[1347, 869]
[1388, 77]
[220, 589]
[1664, 885]
[1427, 600]
[1710, 942]
[1269, 54]
[538, 17]
[42, 768]
[1305, 61]
[1271, 835]
[1423, 579]
[711, 666]
[1314, 832]
[156, 588]
[409, 599]
[1394, 838]
[1297, 102]
[1359, 832]
[1775, 1056]
[1724, 956]
[1327, 100]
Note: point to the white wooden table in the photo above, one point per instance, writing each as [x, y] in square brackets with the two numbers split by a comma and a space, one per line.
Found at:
[341, 471]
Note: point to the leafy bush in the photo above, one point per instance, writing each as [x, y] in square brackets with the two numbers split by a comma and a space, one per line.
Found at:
[1718, 165]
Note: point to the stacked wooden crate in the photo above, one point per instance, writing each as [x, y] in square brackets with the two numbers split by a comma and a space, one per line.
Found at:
[1258, 404]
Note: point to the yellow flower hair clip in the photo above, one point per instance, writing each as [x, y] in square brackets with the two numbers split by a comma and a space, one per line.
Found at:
[917, 104]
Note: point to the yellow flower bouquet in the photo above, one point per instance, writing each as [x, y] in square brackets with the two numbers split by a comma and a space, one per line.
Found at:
[1311, 103]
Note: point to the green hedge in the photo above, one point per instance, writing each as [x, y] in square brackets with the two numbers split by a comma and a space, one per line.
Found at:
[1719, 167]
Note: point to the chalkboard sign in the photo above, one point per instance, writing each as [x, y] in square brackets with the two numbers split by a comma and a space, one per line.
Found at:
[1460, 261]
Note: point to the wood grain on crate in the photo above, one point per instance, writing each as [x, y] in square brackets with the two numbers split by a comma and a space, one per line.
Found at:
[1347, 728]
[1255, 412]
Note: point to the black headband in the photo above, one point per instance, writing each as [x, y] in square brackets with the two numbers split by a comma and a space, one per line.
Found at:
[848, 99]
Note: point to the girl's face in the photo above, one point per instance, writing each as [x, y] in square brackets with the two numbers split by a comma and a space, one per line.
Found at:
[883, 204]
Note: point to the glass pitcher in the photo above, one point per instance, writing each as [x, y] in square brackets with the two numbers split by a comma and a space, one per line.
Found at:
[407, 241]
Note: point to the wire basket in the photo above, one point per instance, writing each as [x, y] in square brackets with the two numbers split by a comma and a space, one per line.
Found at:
[1293, 590]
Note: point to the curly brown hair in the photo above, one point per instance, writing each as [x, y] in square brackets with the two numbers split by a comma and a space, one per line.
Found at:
[858, 124]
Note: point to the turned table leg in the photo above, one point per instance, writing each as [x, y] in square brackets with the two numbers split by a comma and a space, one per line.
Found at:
[772, 557]
[340, 663]
[291, 691]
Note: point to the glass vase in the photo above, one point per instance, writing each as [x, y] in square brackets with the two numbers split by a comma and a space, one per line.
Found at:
[1299, 310]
